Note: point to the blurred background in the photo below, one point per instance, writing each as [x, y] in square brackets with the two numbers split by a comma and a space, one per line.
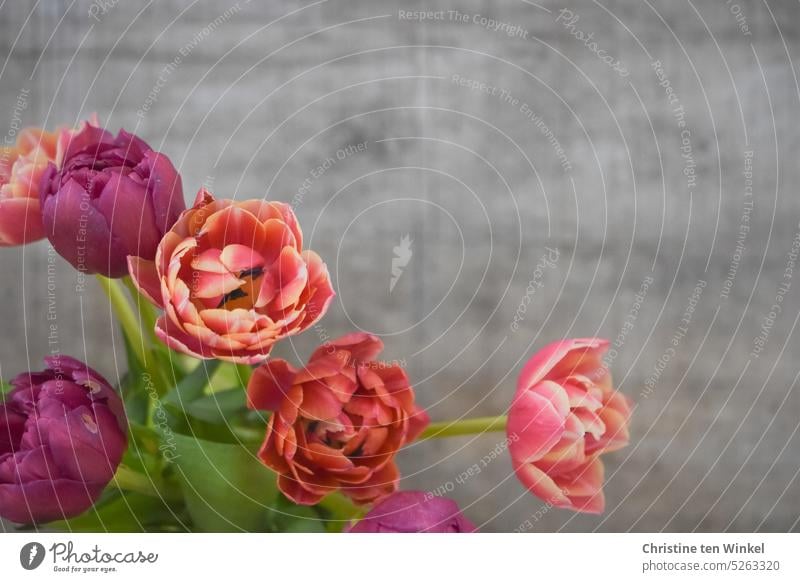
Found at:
[530, 170]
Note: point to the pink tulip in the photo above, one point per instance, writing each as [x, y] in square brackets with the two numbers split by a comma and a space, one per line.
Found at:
[233, 279]
[564, 416]
[21, 170]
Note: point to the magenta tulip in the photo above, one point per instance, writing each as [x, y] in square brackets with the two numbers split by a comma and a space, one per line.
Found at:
[414, 512]
[62, 434]
[110, 197]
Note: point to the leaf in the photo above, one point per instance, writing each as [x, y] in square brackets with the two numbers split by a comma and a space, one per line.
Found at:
[290, 518]
[339, 511]
[193, 384]
[133, 387]
[123, 512]
[225, 485]
[5, 387]
[219, 407]
[230, 375]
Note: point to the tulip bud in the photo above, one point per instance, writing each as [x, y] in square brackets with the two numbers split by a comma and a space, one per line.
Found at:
[414, 512]
[109, 197]
[62, 434]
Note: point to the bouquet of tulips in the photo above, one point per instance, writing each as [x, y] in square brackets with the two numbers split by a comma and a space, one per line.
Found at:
[207, 432]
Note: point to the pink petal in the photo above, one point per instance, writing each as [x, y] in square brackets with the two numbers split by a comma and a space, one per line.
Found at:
[145, 277]
[20, 221]
[583, 481]
[291, 277]
[544, 363]
[267, 291]
[536, 421]
[207, 285]
[277, 237]
[592, 423]
[223, 321]
[238, 258]
[179, 340]
[541, 485]
[233, 225]
[209, 260]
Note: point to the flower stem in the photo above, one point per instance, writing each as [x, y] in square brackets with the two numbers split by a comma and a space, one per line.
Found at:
[126, 479]
[127, 318]
[449, 428]
[147, 316]
[131, 327]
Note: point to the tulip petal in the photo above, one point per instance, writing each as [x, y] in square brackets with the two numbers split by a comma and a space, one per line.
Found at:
[541, 485]
[319, 402]
[20, 221]
[130, 215]
[361, 346]
[269, 385]
[585, 480]
[71, 223]
[145, 278]
[237, 257]
[543, 364]
[536, 422]
[165, 189]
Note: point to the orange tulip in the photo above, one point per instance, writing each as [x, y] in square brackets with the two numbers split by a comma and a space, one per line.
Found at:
[233, 279]
[338, 422]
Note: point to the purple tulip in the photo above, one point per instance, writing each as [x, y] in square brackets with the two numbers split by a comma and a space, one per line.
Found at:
[62, 434]
[414, 512]
[109, 197]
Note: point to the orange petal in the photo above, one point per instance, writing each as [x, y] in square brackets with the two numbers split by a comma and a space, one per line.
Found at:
[319, 402]
[269, 385]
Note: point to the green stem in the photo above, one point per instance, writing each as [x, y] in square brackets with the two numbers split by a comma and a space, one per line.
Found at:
[131, 327]
[127, 318]
[126, 479]
[147, 315]
[449, 428]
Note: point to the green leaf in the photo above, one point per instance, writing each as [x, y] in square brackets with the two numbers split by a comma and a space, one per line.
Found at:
[118, 511]
[290, 518]
[230, 375]
[5, 387]
[219, 407]
[225, 485]
[133, 387]
[339, 511]
[193, 384]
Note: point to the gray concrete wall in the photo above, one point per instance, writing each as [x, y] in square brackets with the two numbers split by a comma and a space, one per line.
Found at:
[591, 165]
